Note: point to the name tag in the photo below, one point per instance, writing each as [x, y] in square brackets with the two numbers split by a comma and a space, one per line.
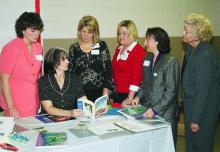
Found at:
[124, 55]
[95, 52]
[155, 74]
[146, 63]
[96, 46]
[39, 57]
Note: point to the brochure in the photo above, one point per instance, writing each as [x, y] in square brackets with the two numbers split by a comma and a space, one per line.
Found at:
[93, 109]
[6, 125]
[133, 112]
[51, 139]
[50, 118]
[141, 125]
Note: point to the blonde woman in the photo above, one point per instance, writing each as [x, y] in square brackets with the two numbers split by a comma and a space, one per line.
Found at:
[200, 79]
[127, 63]
[90, 59]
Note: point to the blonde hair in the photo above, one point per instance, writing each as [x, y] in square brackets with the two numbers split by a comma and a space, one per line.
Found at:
[133, 33]
[91, 24]
[200, 25]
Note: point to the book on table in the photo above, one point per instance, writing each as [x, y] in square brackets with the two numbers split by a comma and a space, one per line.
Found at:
[51, 139]
[140, 125]
[50, 119]
[93, 109]
[135, 112]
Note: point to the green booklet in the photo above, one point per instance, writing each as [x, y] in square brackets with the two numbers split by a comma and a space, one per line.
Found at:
[133, 112]
[51, 139]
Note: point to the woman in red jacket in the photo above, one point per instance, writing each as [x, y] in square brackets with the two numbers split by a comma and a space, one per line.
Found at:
[127, 63]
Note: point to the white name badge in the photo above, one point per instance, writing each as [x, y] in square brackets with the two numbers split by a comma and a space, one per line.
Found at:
[95, 52]
[39, 57]
[146, 63]
[155, 74]
[96, 46]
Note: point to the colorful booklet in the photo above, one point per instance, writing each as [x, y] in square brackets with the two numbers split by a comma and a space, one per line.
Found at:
[133, 112]
[50, 118]
[93, 109]
[51, 139]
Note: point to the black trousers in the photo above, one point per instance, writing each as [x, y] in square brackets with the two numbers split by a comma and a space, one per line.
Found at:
[119, 97]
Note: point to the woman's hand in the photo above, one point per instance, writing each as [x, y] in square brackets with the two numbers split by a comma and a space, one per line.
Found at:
[135, 101]
[77, 113]
[149, 113]
[194, 127]
[13, 112]
[126, 103]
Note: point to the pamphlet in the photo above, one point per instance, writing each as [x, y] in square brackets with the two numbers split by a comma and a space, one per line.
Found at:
[81, 133]
[133, 112]
[93, 109]
[50, 118]
[51, 139]
[6, 125]
[141, 125]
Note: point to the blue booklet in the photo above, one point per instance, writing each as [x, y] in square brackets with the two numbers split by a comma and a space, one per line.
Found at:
[50, 118]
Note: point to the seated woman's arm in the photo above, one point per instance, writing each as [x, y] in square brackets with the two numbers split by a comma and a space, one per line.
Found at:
[51, 110]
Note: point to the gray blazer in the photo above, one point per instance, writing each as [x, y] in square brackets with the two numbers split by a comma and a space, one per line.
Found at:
[201, 82]
[160, 85]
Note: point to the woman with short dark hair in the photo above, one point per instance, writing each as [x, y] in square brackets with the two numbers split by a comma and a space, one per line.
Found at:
[58, 90]
[160, 84]
[20, 65]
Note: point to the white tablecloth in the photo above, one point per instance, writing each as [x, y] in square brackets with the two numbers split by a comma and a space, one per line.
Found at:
[156, 140]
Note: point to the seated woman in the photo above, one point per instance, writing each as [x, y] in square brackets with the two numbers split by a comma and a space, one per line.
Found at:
[58, 90]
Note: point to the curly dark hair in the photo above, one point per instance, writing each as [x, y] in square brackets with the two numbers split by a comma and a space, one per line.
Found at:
[28, 20]
[161, 36]
[52, 59]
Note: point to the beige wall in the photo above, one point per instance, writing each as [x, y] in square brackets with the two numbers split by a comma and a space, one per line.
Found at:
[61, 17]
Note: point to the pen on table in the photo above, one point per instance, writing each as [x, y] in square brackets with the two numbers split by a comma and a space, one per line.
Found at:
[8, 147]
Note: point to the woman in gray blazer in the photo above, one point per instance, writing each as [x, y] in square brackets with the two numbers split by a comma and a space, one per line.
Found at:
[161, 74]
[200, 79]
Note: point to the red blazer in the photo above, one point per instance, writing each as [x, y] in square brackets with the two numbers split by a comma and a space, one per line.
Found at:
[127, 69]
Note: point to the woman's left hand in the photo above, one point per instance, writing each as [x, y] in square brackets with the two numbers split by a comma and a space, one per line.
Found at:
[126, 103]
[194, 127]
[149, 113]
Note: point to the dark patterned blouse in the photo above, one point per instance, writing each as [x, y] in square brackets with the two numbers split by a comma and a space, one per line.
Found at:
[94, 67]
[61, 99]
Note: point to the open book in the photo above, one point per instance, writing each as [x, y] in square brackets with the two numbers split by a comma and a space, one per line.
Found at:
[133, 112]
[93, 109]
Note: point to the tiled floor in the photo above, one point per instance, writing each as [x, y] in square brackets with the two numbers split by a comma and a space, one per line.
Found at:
[181, 141]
